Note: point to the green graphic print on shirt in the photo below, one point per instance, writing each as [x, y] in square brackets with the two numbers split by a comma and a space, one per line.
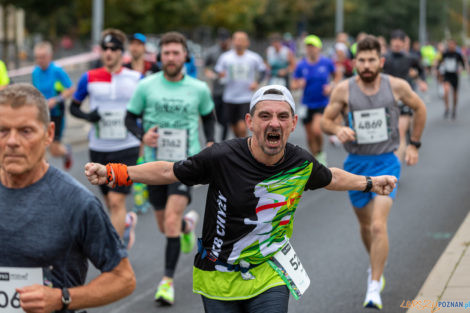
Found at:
[278, 199]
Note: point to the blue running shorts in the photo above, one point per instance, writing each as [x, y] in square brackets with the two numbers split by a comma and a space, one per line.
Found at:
[371, 165]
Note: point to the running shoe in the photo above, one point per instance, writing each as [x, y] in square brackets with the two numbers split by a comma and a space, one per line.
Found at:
[165, 294]
[446, 113]
[369, 279]
[373, 299]
[68, 160]
[129, 232]
[454, 114]
[188, 240]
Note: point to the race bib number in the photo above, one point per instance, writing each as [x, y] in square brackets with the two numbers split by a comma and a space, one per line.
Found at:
[172, 144]
[12, 278]
[287, 264]
[111, 125]
[370, 126]
[450, 65]
[240, 72]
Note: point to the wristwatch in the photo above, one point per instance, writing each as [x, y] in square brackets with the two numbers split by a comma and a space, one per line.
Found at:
[417, 144]
[66, 299]
[369, 184]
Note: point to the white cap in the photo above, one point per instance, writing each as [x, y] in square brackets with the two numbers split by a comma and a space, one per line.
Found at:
[261, 96]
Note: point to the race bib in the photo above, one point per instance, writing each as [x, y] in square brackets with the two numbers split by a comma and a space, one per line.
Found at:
[370, 126]
[172, 144]
[450, 65]
[111, 125]
[240, 72]
[287, 264]
[12, 278]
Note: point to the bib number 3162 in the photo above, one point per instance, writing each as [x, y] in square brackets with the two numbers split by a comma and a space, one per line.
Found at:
[12, 278]
[287, 264]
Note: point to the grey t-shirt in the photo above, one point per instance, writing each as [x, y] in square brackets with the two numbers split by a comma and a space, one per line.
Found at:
[57, 223]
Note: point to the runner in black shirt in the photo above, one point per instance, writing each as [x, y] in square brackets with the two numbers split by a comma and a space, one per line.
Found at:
[255, 185]
[449, 63]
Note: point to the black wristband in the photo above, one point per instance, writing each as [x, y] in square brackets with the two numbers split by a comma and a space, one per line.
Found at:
[369, 184]
[65, 299]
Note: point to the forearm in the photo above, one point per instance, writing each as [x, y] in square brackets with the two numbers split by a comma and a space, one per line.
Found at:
[132, 126]
[208, 125]
[329, 126]
[419, 121]
[104, 289]
[343, 181]
[76, 111]
[153, 173]
[67, 93]
[261, 76]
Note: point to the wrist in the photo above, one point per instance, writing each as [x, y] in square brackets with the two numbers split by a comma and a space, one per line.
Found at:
[369, 184]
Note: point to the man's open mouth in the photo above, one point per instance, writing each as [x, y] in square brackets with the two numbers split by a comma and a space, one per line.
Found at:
[273, 138]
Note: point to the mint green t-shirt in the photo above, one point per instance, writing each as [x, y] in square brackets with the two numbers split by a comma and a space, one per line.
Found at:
[169, 104]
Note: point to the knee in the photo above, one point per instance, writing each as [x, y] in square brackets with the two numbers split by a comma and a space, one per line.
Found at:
[116, 205]
[172, 225]
[378, 229]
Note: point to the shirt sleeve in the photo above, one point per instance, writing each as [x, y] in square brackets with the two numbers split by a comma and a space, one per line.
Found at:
[206, 105]
[137, 103]
[82, 89]
[4, 79]
[319, 177]
[98, 238]
[261, 67]
[220, 65]
[460, 59]
[196, 169]
[64, 78]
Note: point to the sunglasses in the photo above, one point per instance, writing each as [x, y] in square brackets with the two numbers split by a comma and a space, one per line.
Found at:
[112, 48]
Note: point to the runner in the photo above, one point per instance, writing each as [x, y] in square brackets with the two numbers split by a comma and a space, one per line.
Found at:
[255, 185]
[369, 105]
[280, 60]
[56, 86]
[170, 104]
[4, 78]
[146, 67]
[312, 75]
[138, 61]
[50, 224]
[400, 63]
[109, 89]
[243, 70]
[213, 54]
[450, 61]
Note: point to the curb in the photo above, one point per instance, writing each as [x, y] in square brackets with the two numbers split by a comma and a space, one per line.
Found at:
[449, 280]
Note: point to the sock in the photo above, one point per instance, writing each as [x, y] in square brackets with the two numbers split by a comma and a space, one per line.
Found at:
[172, 253]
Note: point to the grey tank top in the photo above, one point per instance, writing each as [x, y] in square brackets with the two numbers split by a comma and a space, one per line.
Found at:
[359, 101]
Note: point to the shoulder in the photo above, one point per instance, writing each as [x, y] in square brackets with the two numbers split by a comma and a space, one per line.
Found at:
[298, 153]
[151, 79]
[395, 82]
[131, 73]
[343, 86]
[195, 83]
[253, 54]
[99, 75]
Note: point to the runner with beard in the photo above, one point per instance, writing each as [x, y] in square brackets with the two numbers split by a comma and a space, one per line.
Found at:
[255, 185]
[368, 103]
[170, 104]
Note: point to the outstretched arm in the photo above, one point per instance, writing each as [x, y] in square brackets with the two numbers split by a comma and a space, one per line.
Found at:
[342, 181]
[152, 173]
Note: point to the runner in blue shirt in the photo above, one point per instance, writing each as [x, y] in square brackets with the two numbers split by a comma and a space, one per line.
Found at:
[56, 86]
[313, 75]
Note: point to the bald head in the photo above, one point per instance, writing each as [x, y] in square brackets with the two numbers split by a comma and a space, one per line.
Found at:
[43, 54]
[241, 42]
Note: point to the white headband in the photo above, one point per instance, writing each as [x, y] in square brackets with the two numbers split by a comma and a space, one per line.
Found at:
[260, 96]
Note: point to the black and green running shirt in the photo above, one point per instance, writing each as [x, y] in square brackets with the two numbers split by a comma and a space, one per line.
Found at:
[249, 212]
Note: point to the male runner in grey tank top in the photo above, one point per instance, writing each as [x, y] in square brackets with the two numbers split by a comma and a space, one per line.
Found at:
[368, 103]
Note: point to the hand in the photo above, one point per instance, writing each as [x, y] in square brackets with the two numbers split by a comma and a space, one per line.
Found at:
[94, 116]
[150, 137]
[51, 103]
[254, 86]
[411, 155]
[346, 134]
[40, 299]
[222, 74]
[209, 143]
[96, 173]
[282, 72]
[327, 89]
[383, 185]
[422, 85]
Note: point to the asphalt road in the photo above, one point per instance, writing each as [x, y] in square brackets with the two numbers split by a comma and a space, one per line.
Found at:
[431, 204]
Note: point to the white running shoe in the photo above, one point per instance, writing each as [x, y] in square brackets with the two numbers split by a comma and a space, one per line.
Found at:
[369, 279]
[373, 299]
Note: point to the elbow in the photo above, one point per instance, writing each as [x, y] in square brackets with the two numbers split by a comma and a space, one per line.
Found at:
[129, 283]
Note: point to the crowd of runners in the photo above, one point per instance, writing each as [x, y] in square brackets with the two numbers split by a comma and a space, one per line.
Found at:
[146, 115]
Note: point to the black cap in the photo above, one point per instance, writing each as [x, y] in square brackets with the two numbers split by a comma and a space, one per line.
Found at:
[223, 34]
[398, 34]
